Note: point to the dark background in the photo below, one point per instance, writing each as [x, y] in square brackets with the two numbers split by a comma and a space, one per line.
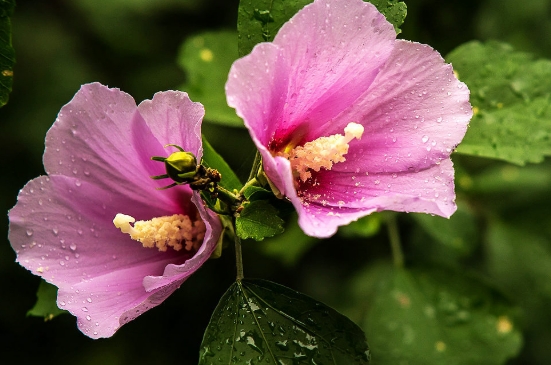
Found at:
[133, 45]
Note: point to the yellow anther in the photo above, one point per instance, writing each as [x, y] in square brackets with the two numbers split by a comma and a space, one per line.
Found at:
[177, 231]
[323, 152]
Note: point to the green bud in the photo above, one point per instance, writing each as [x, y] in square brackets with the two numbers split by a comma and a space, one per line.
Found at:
[181, 167]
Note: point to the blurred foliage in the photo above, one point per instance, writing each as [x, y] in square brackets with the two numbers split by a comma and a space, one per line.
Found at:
[501, 232]
[7, 54]
[510, 94]
[207, 59]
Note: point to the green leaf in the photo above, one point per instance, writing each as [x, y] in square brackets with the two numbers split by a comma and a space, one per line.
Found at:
[510, 94]
[206, 59]
[256, 192]
[259, 21]
[425, 317]
[259, 322]
[45, 305]
[395, 11]
[258, 220]
[7, 53]
[212, 159]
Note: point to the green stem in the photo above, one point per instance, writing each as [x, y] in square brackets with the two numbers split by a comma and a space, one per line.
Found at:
[238, 258]
[227, 196]
[394, 236]
[256, 166]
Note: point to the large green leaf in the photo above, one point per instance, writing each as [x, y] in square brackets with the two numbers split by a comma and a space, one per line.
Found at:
[7, 53]
[207, 59]
[258, 220]
[259, 322]
[511, 95]
[259, 21]
[45, 305]
[425, 317]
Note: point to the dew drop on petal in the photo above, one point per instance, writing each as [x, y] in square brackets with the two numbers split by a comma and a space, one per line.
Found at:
[88, 318]
[29, 232]
[73, 246]
[84, 309]
[425, 139]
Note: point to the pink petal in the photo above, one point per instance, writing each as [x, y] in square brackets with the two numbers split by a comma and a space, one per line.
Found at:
[342, 198]
[174, 119]
[61, 226]
[318, 64]
[333, 51]
[415, 113]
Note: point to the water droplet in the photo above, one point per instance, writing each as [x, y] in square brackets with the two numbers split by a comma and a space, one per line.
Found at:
[62, 304]
[439, 120]
[425, 139]
[55, 231]
[73, 246]
[88, 318]
[89, 300]
[29, 232]
[84, 309]
[78, 183]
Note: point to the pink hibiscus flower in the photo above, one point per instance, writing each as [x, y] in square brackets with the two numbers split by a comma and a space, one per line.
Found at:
[98, 163]
[348, 119]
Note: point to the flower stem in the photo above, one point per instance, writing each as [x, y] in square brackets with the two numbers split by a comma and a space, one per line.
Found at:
[227, 196]
[256, 165]
[238, 258]
[395, 245]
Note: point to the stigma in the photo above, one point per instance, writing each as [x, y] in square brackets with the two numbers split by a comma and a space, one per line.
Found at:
[177, 231]
[320, 153]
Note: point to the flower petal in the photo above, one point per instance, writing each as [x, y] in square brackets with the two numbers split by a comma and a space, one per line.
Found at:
[65, 234]
[174, 119]
[414, 114]
[98, 156]
[342, 198]
[319, 63]
[333, 51]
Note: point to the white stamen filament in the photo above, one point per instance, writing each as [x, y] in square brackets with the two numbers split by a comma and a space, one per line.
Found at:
[322, 152]
[176, 231]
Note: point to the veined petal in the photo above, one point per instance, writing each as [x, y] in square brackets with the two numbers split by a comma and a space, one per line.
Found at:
[341, 198]
[98, 157]
[333, 51]
[414, 114]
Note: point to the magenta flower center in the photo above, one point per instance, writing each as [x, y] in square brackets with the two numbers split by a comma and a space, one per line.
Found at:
[322, 152]
[177, 231]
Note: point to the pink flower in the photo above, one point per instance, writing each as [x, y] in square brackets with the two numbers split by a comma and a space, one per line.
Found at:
[98, 163]
[337, 65]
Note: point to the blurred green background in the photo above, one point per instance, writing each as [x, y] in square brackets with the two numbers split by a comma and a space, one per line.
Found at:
[134, 45]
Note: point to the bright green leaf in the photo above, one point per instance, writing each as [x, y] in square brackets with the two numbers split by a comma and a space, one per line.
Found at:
[259, 322]
[207, 59]
[45, 305]
[212, 159]
[511, 95]
[425, 317]
[258, 220]
[7, 53]
[395, 11]
[259, 21]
